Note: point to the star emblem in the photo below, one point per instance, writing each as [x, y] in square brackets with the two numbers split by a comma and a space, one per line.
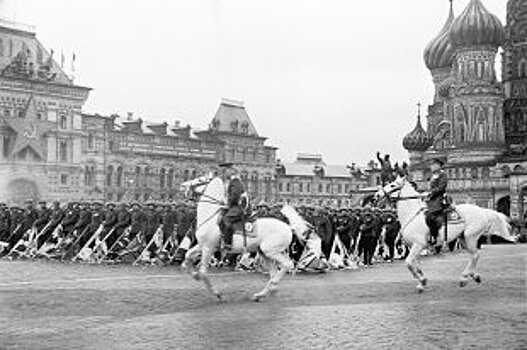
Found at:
[30, 130]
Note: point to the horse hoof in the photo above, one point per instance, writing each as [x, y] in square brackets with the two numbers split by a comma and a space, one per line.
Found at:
[424, 282]
[463, 283]
[477, 279]
[420, 288]
[257, 298]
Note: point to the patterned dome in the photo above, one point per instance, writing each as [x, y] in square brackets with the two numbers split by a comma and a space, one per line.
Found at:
[477, 26]
[440, 52]
[417, 140]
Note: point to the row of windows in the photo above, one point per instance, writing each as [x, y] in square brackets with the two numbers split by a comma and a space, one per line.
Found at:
[167, 178]
[244, 156]
[308, 188]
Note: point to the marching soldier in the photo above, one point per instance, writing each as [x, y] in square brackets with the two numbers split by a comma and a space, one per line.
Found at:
[44, 214]
[123, 220]
[56, 216]
[368, 241]
[392, 227]
[70, 219]
[110, 219]
[5, 222]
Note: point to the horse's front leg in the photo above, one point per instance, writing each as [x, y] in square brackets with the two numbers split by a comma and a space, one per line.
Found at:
[189, 264]
[411, 262]
[206, 255]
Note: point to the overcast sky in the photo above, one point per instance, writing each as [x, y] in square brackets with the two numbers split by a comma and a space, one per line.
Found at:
[336, 77]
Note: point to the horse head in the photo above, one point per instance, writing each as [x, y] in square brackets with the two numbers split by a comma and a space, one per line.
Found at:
[392, 189]
[197, 186]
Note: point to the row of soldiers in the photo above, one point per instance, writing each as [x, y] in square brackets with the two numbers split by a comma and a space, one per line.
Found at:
[66, 231]
[363, 231]
[127, 232]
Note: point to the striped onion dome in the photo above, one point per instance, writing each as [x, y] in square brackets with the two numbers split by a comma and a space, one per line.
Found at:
[439, 53]
[417, 140]
[476, 26]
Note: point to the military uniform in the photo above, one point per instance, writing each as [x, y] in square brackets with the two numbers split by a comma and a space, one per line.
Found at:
[56, 216]
[234, 215]
[5, 222]
[392, 227]
[123, 220]
[434, 213]
[368, 240]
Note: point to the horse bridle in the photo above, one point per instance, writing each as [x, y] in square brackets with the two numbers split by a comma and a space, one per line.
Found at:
[388, 195]
[210, 199]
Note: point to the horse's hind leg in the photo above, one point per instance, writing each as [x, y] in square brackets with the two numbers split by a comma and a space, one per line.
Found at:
[471, 244]
[411, 262]
[284, 265]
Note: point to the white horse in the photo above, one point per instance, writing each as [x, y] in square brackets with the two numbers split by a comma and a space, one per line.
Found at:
[414, 230]
[269, 237]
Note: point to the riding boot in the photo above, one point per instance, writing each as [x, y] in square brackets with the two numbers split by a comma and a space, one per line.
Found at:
[227, 237]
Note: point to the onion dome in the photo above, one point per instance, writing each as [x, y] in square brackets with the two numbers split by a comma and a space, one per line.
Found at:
[477, 26]
[417, 140]
[439, 53]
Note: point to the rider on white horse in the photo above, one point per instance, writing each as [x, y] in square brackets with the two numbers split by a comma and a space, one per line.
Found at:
[233, 218]
[435, 201]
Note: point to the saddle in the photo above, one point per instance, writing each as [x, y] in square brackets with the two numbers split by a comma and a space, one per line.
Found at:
[451, 214]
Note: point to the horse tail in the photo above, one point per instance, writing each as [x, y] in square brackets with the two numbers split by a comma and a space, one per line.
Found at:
[298, 225]
[499, 225]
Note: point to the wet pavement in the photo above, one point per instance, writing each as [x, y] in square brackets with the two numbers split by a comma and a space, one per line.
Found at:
[46, 305]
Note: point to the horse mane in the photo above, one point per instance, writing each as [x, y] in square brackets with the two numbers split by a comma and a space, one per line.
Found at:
[297, 223]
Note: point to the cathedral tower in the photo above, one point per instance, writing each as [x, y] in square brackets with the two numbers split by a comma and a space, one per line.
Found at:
[475, 112]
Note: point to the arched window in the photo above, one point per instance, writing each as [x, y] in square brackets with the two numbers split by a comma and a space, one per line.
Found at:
[137, 176]
[485, 172]
[109, 175]
[256, 184]
[186, 175]
[518, 169]
[40, 58]
[522, 69]
[90, 141]
[63, 151]
[145, 177]
[119, 177]
[11, 48]
[63, 122]
[170, 178]
[162, 178]
[1, 48]
[474, 173]
[194, 174]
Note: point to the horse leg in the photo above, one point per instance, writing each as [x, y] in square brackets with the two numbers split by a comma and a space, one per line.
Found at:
[190, 261]
[284, 265]
[206, 255]
[469, 272]
[411, 263]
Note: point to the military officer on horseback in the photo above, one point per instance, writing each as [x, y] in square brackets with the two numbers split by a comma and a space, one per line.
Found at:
[235, 212]
[435, 201]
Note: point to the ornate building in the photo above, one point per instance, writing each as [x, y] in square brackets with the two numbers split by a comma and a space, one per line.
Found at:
[310, 181]
[245, 148]
[50, 150]
[476, 122]
[135, 160]
[40, 120]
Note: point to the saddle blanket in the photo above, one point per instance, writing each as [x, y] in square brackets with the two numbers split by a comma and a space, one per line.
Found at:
[454, 216]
